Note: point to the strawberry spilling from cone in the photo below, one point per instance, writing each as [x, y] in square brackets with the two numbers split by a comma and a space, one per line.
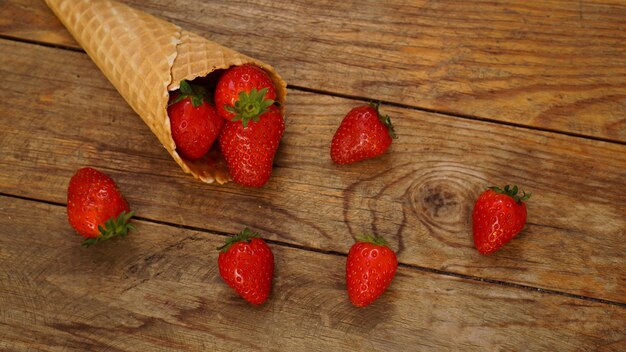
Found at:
[169, 76]
[239, 112]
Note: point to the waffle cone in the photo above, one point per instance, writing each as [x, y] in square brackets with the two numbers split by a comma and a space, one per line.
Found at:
[145, 58]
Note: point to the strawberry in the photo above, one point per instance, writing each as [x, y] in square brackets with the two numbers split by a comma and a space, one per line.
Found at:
[244, 92]
[370, 267]
[362, 134]
[498, 215]
[95, 207]
[195, 123]
[249, 145]
[246, 264]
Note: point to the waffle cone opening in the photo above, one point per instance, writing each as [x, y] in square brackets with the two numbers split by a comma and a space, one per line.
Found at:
[145, 58]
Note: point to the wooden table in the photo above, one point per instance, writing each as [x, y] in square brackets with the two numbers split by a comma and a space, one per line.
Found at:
[481, 93]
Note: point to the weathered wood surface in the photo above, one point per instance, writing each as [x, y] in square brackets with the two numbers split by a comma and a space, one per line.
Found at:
[159, 290]
[556, 65]
[419, 195]
[549, 65]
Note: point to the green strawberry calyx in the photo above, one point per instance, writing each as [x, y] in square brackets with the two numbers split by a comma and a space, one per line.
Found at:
[244, 236]
[114, 227]
[512, 192]
[250, 106]
[374, 239]
[385, 119]
[196, 93]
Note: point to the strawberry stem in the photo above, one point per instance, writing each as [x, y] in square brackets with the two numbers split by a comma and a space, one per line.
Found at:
[512, 192]
[375, 239]
[113, 227]
[250, 106]
[244, 236]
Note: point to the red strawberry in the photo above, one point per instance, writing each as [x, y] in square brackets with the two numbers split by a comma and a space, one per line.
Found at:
[246, 263]
[244, 92]
[248, 146]
[195, 123]
[95, 207]
[362, 134]
[498, 215]
[370, 267]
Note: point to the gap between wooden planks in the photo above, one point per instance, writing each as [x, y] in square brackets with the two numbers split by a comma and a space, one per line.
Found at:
[160, 288]
[341, 254]
[551, 65]
[418, 195]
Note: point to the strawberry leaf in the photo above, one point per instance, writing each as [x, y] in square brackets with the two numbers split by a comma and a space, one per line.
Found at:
[385, 119]
[185, 88]
[88, 242]
[113, 227]
[525, 196]
[196, 93]
[244, 236]
[512, 192]
[250, 106]
[374, 239]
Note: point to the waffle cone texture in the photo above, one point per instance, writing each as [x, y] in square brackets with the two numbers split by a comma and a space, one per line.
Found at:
[145, 58]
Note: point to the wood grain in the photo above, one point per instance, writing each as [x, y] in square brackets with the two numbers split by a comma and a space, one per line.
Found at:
[33, 20]
[160, 290]
[419, 195]
[556, 65]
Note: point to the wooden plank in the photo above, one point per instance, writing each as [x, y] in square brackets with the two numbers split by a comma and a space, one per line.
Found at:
[419, 195]
[556, 65]
[159, 289]
[33, 20]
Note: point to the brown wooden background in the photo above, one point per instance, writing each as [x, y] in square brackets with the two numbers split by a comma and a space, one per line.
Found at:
[481, 93]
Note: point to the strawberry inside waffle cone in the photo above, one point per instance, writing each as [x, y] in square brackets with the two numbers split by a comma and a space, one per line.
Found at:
[146, 58]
